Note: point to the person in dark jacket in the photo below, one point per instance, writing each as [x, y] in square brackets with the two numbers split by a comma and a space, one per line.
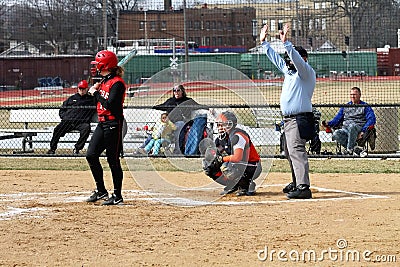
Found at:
[180, 109]
[76, 114]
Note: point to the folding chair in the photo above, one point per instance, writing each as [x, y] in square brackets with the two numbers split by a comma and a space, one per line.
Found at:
[367, 142]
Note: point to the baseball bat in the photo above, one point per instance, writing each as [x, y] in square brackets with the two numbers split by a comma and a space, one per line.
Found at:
[128, 57]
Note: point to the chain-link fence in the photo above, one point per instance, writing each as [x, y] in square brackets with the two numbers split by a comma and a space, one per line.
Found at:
[212, 49]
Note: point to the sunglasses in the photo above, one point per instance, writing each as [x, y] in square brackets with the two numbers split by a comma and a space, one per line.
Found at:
[176, 90]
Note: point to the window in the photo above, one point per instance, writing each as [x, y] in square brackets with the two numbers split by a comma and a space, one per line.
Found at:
[229, 26]
[197, 25]
[163, 25]
[152, 25]
[207, 25]
[213, 25]
[280, 25]
[219, 25]
[317, 24]
[273, 25]
[207, 41]
[264, 21]
[238, 26]
[141, 25]
[197, 40]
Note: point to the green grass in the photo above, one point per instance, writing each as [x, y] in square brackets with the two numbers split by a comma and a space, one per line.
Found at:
[278, 165]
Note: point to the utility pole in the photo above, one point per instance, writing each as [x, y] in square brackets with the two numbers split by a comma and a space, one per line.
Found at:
[116, 32]
[185, 39]
[105, 24]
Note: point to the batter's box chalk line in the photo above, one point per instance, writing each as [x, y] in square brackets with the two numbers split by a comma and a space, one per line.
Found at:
[9, 201]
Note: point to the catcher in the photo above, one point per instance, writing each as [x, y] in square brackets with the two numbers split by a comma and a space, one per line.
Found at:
[232, 161]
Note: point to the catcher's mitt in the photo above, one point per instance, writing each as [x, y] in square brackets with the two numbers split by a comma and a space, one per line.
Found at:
[211, 163]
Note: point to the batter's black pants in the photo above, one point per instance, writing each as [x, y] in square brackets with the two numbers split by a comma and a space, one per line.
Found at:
[107, 136]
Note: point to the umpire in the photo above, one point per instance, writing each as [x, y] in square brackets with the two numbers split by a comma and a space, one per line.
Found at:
[75, 114]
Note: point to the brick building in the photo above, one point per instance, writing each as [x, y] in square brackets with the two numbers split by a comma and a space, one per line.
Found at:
[205, 26]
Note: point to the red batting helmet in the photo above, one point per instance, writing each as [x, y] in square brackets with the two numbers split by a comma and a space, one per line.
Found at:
[83, 84]
[105, 60]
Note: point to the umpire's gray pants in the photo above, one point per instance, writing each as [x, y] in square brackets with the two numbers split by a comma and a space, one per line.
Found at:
[295, 149]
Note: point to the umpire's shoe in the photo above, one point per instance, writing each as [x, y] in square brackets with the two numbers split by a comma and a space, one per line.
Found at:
[302, 191]
[113, 200]
[289, 187]
[97, 196]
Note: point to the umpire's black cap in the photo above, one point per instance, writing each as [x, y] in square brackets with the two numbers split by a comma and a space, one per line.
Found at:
[302, 51]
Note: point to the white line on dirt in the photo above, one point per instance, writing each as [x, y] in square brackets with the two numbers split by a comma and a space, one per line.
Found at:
[24, 198]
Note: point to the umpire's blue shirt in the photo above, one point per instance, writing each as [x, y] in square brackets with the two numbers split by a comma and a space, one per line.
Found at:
[298, 86]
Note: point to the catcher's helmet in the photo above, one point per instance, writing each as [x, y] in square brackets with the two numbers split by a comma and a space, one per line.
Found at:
[225, 122]
[105, 60]
[83, 84]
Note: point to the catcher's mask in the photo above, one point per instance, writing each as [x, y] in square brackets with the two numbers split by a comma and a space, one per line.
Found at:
[104, 60]
[226, 121]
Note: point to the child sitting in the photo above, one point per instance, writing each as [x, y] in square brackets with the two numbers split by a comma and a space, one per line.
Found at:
[161, 132]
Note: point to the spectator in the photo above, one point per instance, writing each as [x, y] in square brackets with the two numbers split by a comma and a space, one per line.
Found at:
[354, 122]
[161, 133]
[76, 114]
[180, 109]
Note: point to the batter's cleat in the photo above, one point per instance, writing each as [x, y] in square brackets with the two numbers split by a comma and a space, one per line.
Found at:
[51, 152]
[302, 191]
[288, 188]
[113, 200]
[97, 196]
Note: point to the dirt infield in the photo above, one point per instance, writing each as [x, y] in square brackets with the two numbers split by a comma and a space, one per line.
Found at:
[45, 222]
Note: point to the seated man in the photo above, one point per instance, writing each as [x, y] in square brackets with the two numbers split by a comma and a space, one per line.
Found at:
[75, 115]
[355, 122]
[237, 163]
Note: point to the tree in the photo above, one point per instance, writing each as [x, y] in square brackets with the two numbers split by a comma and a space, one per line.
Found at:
[370, 22]
[67, 26]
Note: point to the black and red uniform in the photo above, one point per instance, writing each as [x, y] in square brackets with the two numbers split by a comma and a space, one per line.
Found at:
[241, 151]
[108, 133]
